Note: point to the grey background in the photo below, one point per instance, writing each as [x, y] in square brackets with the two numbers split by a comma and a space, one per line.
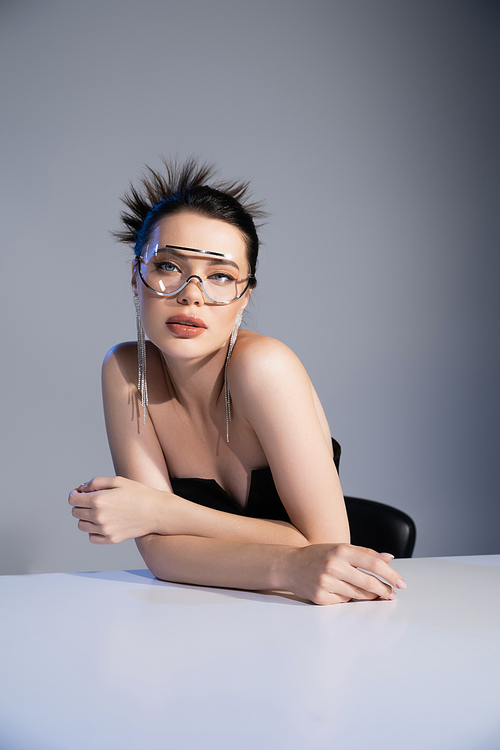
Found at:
[371, 130]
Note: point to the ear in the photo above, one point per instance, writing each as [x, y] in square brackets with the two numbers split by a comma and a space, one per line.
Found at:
[245, 300]
[134, 276]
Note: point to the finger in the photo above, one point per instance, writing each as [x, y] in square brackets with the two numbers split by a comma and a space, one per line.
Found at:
[328, 597]
[80, 489]
[84, 514]
[371, 588]
[74, 496]
[386, 556]
[88, 526]
[99, 483]
[98, 539]
[361, 585]
[350, 591]
[81, 500]
[368, 559]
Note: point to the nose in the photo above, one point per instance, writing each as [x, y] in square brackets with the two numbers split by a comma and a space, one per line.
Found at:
[192, 294]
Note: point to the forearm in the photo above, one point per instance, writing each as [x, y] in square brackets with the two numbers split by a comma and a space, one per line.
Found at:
[321, 573]
[179, 517]
[216, 562]
[113, 509]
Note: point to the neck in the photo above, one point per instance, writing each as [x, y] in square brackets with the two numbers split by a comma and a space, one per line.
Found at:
[197, 384]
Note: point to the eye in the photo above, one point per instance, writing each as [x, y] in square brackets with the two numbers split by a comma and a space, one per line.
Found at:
[222, 278]
[167, 266]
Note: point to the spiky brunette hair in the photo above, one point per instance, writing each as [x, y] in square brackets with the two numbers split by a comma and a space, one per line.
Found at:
[191, 186]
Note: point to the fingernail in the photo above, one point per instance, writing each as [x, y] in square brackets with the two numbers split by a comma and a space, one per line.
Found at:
[392, 596]
[400, 584]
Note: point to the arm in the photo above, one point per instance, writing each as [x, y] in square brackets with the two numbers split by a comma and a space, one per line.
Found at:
[321, 573]
[246, 553]
[272, 389]
[299, 455]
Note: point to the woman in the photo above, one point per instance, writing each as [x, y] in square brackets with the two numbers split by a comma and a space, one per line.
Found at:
[223, 451]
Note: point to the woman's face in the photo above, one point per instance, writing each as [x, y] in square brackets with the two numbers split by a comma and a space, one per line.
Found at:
[186, 325]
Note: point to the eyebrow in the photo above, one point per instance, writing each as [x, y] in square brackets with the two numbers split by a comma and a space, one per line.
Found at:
[224, 260]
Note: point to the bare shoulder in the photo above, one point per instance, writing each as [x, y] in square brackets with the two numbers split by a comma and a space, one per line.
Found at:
[120, 353]
[260, 365]
[269, 380]
[258, 357]
[120, 363]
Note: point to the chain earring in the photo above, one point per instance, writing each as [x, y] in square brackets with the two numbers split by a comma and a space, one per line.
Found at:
[227, 397]
[142, 385]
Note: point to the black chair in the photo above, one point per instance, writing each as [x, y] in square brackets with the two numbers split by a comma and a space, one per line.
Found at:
[380, 527]
[376, 525]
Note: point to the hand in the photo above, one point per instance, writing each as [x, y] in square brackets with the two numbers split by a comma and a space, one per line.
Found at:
[330, 573]
[112, 509]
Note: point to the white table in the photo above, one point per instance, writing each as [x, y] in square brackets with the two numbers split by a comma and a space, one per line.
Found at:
[119, 660]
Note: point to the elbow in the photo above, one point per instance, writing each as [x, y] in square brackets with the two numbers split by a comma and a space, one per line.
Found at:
[147, 546]
[160, 557]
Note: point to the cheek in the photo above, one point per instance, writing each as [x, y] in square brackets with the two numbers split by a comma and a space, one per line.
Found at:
[151, 316]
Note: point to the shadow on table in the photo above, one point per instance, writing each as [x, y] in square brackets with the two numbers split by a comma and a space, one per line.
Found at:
[144, 576]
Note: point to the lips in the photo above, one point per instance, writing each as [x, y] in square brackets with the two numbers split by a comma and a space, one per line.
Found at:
[186, 326]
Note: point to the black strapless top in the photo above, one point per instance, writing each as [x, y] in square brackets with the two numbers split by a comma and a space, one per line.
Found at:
[263, 499]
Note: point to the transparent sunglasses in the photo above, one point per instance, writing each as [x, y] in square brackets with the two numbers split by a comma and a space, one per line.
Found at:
[161, 270]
